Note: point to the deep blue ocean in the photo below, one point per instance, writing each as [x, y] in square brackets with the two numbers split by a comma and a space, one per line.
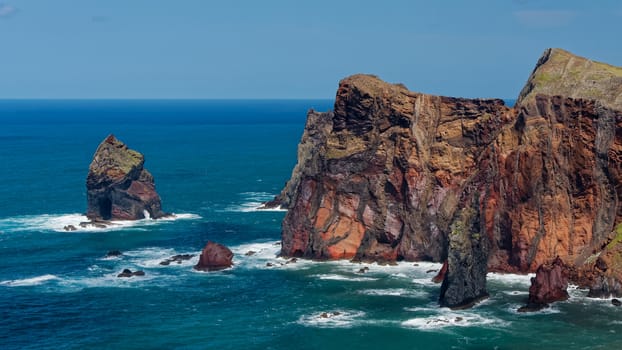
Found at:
[213, 163]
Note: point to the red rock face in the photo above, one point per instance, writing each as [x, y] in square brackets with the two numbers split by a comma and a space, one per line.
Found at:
[214, 257]
[384, 179]
[390, 173]
[550, 284]
[553, 192]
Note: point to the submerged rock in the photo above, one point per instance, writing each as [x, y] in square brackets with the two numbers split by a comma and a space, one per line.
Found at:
[176, 259]
[118, 187]
[549, 285]
[214, 257]
[128, 273]
[113, 253]
[616, 302]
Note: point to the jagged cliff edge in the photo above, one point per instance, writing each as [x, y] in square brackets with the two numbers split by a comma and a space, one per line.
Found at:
[388, 174]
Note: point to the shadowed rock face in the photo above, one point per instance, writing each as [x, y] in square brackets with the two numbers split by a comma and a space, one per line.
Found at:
[118, 187]
[387, 174]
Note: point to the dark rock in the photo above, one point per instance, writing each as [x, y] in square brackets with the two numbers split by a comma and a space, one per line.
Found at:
[549, 285]
[70, 228]
[364, 269]
[269, 264]
[129, 273]
[616, 302]
[465, 279]
[113, 253]
[250, 253]
[176, 258]
[533, 307]
[214, 257]
[118, 187]
[291, 261]
[324, 315]
[441, 274]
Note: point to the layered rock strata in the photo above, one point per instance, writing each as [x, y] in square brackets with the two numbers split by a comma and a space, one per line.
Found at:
[118, 186]
[387, 175]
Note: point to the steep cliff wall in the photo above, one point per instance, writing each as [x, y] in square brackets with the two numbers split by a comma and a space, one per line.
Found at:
[382, 176]
[387, 174]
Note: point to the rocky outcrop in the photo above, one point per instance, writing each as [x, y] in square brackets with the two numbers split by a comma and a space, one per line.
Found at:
[118, 187]
[549, 285]
[465, 280]
[214, 257]
[602, 271]
[380, 178]
[560, 73]
[126, 273]
[386, 176]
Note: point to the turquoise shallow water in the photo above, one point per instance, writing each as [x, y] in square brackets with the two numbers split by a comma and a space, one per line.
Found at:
[213, 162]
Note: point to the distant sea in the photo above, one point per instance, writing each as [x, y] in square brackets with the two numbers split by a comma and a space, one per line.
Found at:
[214, 162]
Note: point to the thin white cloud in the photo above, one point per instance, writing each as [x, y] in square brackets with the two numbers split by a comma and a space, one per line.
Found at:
[545, 18]
[6, 10]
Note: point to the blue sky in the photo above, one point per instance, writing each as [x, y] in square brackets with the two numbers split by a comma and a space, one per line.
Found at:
[289, 49]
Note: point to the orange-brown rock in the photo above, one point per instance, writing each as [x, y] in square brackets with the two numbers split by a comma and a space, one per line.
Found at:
[380, 178]
[387, 174]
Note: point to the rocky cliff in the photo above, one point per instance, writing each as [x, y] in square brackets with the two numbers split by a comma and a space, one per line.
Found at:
[118, 186]
[387, 175]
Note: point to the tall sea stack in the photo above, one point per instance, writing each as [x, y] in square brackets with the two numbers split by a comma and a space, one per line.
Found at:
[118, 187]
[388, 174]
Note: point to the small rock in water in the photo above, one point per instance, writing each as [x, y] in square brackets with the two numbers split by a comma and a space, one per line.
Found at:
[70, 228]
[430, 271]
[277, 243]
[415, 264]
[250, 252]
[129, 273]
[269, 264]
[324, 315]
[113, 253]
[616, 302]
[292, 260]
[336, 313]
[176, 258]
[458, 319]
[364, 269]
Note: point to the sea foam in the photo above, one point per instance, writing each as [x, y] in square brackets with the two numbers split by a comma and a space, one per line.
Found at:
[253, 202]
[332, 319]
[57, 222]
[445, 317]
[32, 281]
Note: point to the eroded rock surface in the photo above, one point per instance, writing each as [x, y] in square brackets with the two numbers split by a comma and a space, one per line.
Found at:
[385, 176]
[118, 186]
